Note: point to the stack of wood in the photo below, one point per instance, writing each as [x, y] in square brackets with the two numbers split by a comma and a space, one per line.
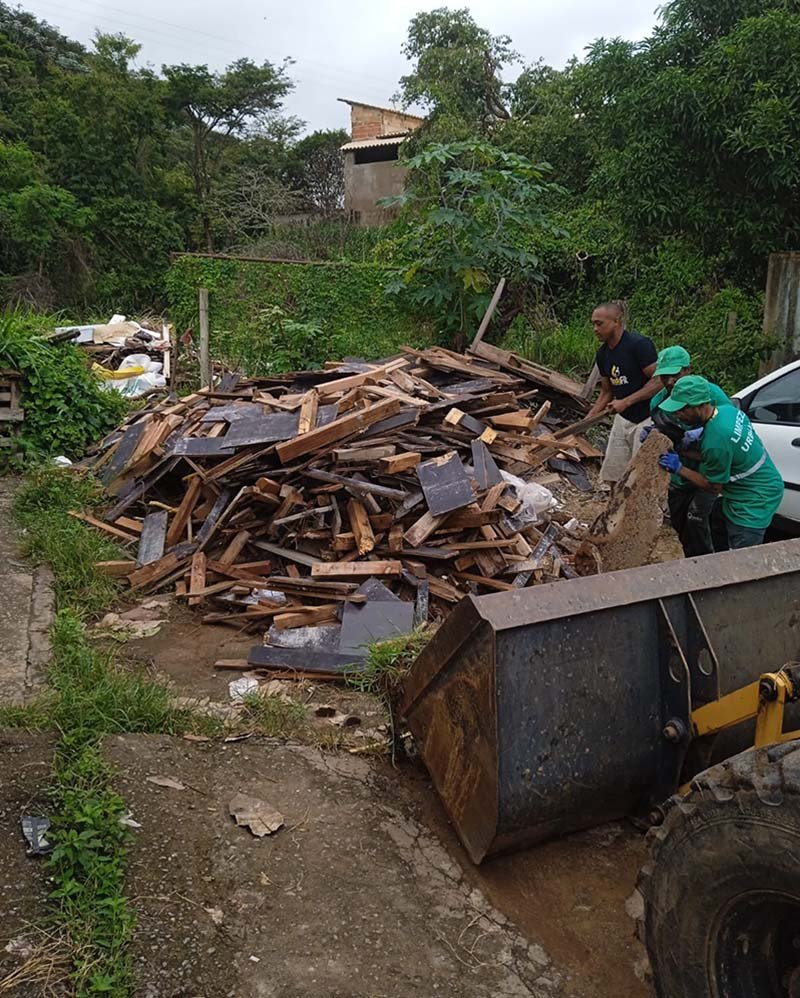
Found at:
[348, 503]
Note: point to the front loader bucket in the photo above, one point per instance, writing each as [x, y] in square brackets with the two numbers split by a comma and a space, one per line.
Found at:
[541, 711]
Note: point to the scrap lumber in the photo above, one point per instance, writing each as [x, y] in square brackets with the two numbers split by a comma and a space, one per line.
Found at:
[269, 500]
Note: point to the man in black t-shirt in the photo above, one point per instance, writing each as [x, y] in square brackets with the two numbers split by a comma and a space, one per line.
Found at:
[626, 362]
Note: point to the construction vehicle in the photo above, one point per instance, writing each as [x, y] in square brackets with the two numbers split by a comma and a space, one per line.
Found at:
[665, 693]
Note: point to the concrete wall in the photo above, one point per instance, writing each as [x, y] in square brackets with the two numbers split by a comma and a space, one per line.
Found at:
[365, 183]
[782, 302]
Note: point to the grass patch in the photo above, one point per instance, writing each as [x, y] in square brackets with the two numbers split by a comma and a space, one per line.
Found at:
[89, 698]
[388, 663]
[272, 716]
[42, 508]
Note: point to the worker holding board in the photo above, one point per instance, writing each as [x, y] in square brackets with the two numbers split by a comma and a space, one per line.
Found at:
[690, 507]
[626, 362]
[733, 461]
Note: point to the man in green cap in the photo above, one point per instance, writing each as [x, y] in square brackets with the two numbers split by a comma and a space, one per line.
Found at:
[690, 508]
[733, 461]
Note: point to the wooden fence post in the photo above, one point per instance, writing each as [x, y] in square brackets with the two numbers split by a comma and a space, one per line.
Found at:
[205, 357]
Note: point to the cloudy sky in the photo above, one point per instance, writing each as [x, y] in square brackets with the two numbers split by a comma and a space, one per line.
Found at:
[349, 48]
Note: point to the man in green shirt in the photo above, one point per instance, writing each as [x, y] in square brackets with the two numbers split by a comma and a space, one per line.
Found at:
[733, 461]
[690, 508]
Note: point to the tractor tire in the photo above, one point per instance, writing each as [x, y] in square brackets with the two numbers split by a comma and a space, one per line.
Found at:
[722, 892]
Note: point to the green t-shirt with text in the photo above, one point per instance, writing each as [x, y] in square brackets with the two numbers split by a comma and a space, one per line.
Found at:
[733, 456]
[718, 397]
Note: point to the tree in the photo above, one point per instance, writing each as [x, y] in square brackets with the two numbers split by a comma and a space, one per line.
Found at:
[456, 74]
[316, 169]
[479, 223]
[220, 107]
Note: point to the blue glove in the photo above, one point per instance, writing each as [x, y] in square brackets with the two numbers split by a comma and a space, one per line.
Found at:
[691, 437]
[646, 431]
[671, 462]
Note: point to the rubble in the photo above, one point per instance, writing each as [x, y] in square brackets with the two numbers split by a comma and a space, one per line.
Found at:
[340, 506]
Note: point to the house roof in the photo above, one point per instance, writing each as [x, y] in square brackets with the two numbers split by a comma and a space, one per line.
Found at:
[384, 140]
[378, 107]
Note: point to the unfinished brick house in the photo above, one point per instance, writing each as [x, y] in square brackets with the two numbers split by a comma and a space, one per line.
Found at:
[371, 170]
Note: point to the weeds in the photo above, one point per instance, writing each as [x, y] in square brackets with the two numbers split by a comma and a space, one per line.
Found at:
[42, 508]
[89, 698]
[388, 663]
[272, 716]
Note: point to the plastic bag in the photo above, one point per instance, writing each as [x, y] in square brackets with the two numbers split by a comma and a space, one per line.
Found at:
[144, 375]
[536, 499]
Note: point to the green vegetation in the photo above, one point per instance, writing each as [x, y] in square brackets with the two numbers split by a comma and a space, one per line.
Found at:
[676, 160]
[272, 716]
[388, 663]
[107, 167]
[88, 698]
[471, 213]
[65, 409]
[268, 317]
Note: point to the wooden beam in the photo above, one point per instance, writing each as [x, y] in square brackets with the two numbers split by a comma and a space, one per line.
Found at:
[361, 527]
[487, 315]
[338, 429]
[197, 579]
[205, 356]
[354, 569]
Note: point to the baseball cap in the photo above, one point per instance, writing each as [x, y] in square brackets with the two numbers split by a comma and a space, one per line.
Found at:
[690, 390]
[672, 360]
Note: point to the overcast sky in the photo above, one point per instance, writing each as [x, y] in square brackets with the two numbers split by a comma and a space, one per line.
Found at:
[349, 48]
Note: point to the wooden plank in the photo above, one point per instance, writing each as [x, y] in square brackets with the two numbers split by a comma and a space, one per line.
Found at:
[338, 429]
[522, 419]
[327, 613]
[234, 548]
[580, 426]
[354, 569]
[129, 523]
[286, 553]
[266, 428]
[205, 357]
[107, 528]
[149, 574]
[201, 447]
[214, 518]
[197, 579]
[481, 580]
[177, 528]
[533, 372]
[356, 380]
[485, 469]
[356, 485]
[487, 315]
[361, 527]
[354, 455]
[302, 660]
[307, 419]
[396, 537]
[400, 462]
[153, 536]
[445, 484]
[540, 413]
[422, 529]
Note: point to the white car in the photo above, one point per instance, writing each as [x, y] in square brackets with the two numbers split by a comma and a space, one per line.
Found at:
[773, 406]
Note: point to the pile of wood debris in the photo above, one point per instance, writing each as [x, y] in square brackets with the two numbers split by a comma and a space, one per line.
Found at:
[335, 507]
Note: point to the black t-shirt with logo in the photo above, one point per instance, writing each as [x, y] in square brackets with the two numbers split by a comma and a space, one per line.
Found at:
[624, 368]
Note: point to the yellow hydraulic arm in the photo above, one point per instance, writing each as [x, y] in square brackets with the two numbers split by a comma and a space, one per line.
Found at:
[764, 700]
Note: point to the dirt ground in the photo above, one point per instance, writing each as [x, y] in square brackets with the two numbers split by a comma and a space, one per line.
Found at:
[365, 892]
[26, 762]
[353, 849]
[361, 893]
